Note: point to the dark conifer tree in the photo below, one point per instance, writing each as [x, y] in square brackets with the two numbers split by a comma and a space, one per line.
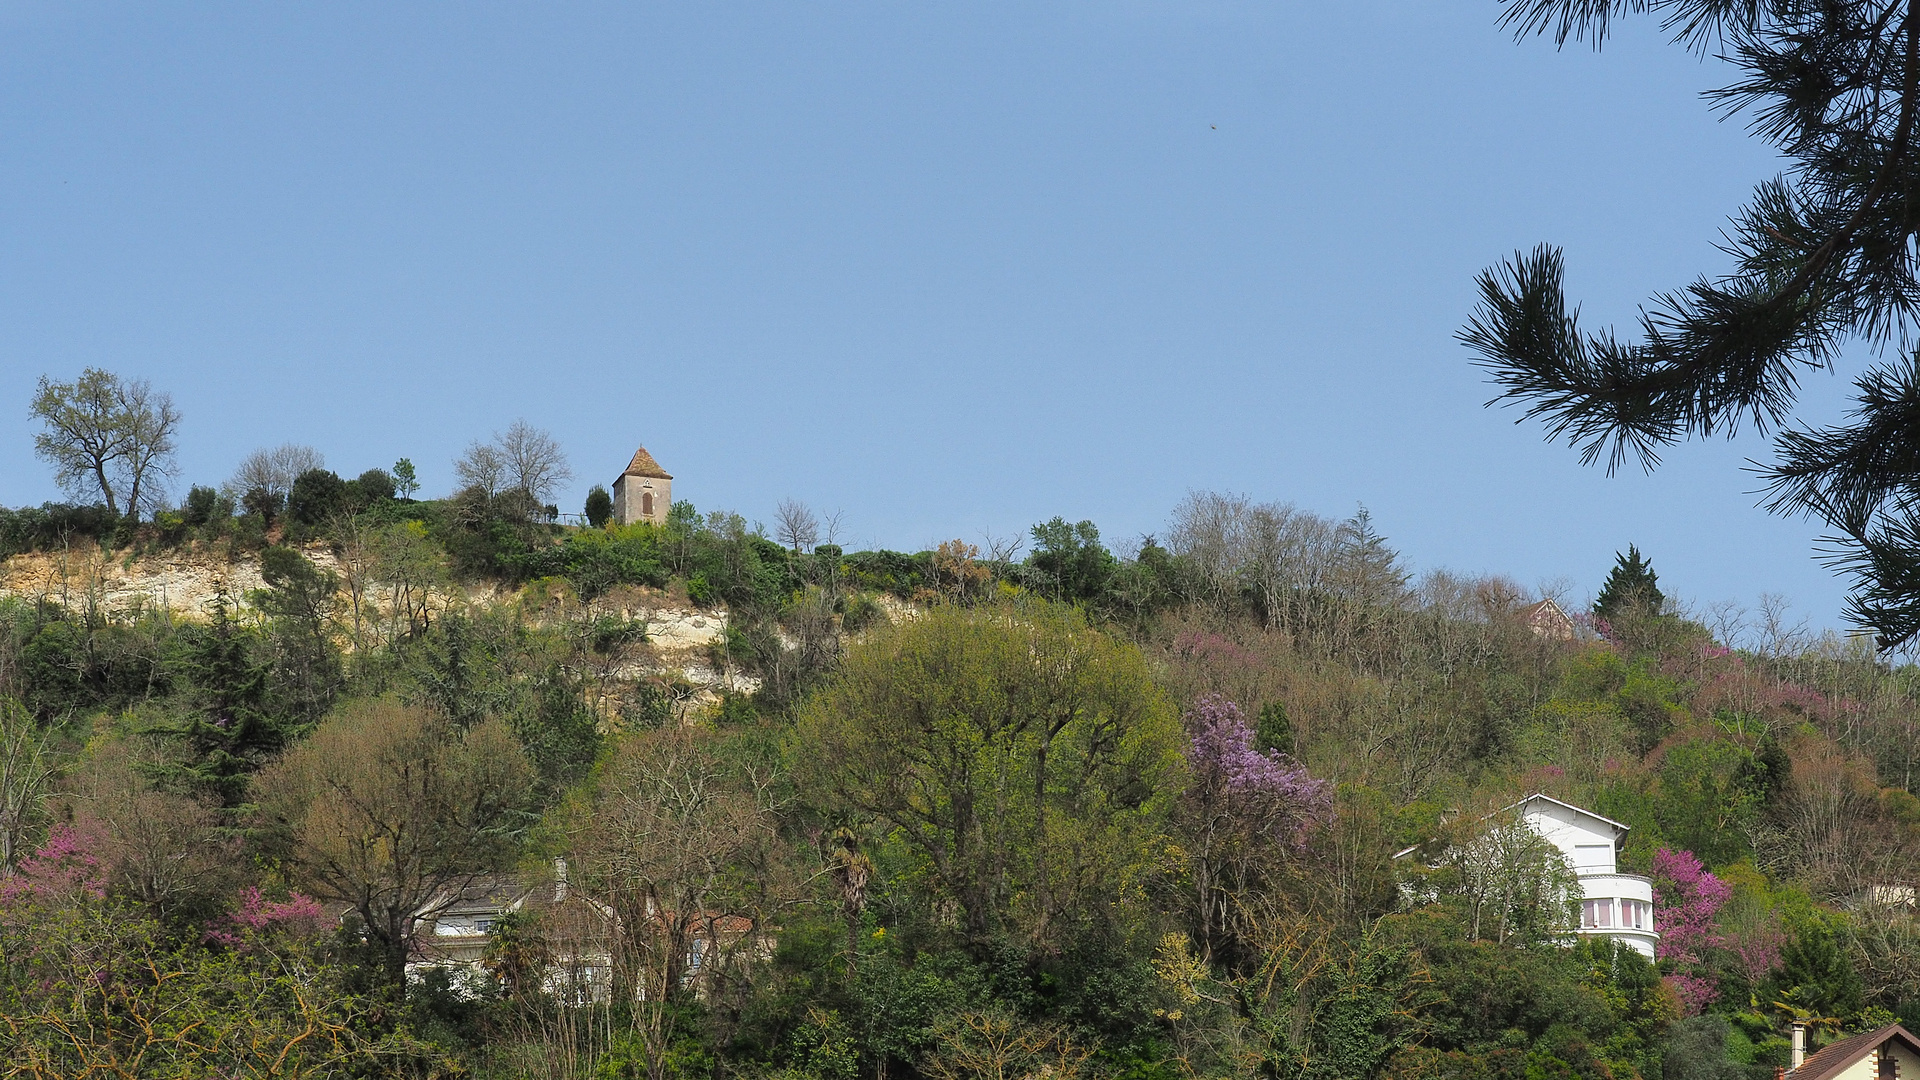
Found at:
[1367, 569]
[305, 671]
[1275, 730]
[599, 507]
[226, 731]
[1631, 588]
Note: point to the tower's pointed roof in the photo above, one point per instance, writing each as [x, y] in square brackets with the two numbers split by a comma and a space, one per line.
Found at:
[644, 465]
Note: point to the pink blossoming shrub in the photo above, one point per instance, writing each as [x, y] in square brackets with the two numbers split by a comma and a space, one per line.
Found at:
[63, 866]
[1757, 952]
[1689, 899]
[297, 916]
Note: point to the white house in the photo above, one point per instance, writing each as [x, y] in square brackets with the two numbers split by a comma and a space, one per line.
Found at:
[577, 935]
[1613, 905]
[458, 928]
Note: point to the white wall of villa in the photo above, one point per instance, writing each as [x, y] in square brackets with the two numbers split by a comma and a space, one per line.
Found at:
[1613, 904]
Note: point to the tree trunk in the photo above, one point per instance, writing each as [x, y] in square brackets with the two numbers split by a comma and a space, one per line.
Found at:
[106, 489]
[1042, 894]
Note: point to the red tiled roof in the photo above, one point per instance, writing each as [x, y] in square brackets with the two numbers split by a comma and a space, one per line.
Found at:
[1833, 1059]
[644, 465]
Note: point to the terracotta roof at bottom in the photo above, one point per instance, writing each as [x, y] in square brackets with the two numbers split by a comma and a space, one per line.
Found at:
[1834, 1058]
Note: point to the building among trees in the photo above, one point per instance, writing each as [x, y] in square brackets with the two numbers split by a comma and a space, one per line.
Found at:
[1612, 904]
[1527, 869]
[1886, 1053]
[1548, 620]
[644, 492]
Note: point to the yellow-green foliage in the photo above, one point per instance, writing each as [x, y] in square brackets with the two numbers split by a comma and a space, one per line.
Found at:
[1026, 756]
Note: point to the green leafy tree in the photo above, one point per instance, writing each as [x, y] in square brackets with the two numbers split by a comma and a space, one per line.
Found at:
[1070, 560]
[558, 731]
[317, 495]
[1029, 758]
[1274, 731]
[405, 480]
[106, 434]
[201, 506]
[96, 991]
[1815, 973]
[1631, 588]
[1696, 1049]
[1822, 257]
[371, 488]
[457, 672]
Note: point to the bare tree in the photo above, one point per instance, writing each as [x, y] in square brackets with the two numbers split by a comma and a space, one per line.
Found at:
[394, 810]
[1288, 552]
[521, 460]
[148, 463]
[273, 470]
[412, 566]
[25, 768]
[1209, 530]
[999, 1046]
[532, 460]
[1778, 636]
[795, 525]
[481, 468]
[1270, 551]
[110, 435]
[1004, 549]
[1728, 621]
[162, 849]
[675, 847]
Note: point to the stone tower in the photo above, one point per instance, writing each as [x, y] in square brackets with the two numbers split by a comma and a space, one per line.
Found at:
[644, 492]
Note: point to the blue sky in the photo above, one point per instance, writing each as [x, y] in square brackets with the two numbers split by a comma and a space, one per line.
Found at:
[949, 269]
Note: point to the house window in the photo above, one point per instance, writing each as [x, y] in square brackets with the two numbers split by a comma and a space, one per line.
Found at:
[1596, 914]
[483, 926]
[1593, 857]
[646, 504]
[1888, 1069]
[1637, 914]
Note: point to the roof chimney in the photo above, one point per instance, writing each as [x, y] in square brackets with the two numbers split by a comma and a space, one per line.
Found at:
[1799, 1054]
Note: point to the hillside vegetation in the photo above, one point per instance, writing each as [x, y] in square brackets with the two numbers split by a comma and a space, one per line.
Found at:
[1055, 811]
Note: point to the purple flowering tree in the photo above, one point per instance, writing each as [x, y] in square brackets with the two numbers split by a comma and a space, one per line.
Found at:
[1690, 899]
[1245, 811]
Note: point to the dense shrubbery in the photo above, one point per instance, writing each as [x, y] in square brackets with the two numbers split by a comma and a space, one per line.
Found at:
[1083, 814]
[53, 525]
